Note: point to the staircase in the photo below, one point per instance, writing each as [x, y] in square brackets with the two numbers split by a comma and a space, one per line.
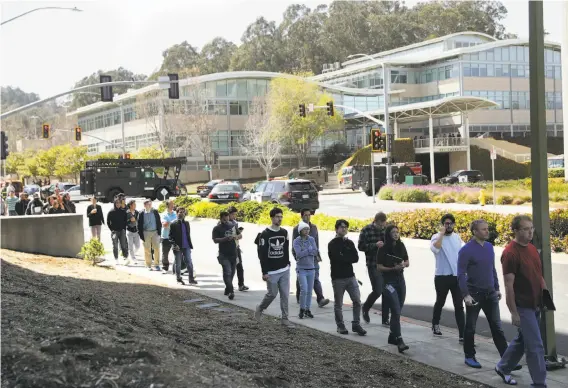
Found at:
[505, 149]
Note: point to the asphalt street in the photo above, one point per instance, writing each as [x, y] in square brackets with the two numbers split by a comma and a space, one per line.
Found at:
[419, 276]
[358, 205]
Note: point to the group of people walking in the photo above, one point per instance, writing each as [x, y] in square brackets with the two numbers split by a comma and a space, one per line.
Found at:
[58, 203]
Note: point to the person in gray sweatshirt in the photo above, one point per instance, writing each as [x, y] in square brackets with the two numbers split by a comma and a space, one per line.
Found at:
[306, 252]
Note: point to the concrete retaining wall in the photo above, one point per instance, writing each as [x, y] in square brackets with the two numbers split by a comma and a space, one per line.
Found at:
[55, 235]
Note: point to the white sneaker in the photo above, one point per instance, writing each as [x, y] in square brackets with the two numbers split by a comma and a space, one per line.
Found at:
[127, 262]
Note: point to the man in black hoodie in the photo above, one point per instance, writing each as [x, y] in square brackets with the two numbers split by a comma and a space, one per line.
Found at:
[22, 204]
[273, 253]
[342, 254]
[116, 222]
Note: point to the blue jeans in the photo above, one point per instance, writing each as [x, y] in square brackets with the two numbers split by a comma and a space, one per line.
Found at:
[186, 253]
[528, 342]
[306, 277]
[395, 293]
[229, 266]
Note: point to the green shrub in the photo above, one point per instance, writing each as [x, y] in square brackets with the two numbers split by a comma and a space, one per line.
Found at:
[93, 251]
[411, 195]
[518, 201]
[556, 173]
[504, 200]
[386, 193]
[183, 201]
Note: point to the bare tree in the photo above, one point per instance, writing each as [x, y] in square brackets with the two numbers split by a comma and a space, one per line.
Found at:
[261, 141]
[198, 121]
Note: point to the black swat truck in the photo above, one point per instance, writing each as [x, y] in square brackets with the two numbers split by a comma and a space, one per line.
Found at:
[148, 178]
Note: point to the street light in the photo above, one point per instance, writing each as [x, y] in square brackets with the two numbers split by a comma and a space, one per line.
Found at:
[38, 9]
[386, 111]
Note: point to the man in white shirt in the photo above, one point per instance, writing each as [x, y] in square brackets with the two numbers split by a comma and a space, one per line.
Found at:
[446, 245]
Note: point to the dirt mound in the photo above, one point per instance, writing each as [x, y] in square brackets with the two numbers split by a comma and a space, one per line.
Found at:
[66, 324]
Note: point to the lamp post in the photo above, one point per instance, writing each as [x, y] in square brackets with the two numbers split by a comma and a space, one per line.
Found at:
[386, 111]
[38, 9]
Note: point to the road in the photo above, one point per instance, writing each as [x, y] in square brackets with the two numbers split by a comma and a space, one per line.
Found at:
[360, 206]
[419, 277]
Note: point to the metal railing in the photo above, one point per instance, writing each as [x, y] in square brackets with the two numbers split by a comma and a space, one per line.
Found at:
[441, 142]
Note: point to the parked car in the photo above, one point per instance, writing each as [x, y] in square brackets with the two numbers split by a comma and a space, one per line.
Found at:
[296, 194]
[31, 189]
[225, 192]
[204, 190]
[46, 191]
[252, 194]
[75, 194]
[470, 176]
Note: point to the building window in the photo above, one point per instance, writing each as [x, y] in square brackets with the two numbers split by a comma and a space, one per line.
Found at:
[238, 108]
[221, 89]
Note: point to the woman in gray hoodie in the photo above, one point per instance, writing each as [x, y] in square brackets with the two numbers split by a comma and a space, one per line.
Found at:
[306, 253]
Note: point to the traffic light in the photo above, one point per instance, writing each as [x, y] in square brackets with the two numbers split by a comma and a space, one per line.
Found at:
[45, 131]
[4, 145]
[173, 91]
[302, 110]
[329, 108]
[106, 91]
[377, 141]
[78, 133]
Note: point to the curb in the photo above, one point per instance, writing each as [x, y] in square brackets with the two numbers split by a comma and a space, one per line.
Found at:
[339, 192]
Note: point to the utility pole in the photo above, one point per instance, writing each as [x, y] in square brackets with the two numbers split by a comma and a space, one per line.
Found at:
[539, 173]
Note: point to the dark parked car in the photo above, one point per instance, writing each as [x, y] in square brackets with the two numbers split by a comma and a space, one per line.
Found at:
[225, 192]
[470, 176]
[203, 191]
[296, 194]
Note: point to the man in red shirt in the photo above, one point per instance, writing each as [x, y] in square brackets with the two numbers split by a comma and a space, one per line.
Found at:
[524, 284]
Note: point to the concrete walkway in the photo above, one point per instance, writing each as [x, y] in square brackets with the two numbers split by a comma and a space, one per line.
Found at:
[441, 352]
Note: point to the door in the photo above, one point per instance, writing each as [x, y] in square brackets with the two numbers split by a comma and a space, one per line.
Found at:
[87, 182]
[266, 194]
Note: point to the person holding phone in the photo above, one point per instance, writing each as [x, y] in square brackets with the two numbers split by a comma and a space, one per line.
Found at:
[392, 259]
[479, 286]
[224, 235]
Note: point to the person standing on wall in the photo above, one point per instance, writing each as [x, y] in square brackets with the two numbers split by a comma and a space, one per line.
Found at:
[95, 216]
[306, 215]
[371, 239]
[524, 290]
[273, 253]
[446, 245]
[149, 230]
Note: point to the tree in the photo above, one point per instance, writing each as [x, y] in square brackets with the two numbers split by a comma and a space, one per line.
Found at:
[333, 154]
[31, 168]
[260, 141]
[216, 56]
[299, 133]
[260, 48]
[120, 74]
[14, 163]
[105, 155]
[70, 160]
[182, 59]
[197, 123]
[46, 160]
[150, 153]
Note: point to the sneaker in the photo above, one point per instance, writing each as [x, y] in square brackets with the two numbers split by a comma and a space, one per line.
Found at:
[150, 268]
[308, 313]
[461, 340]
[366, 316]
[518, 367]
[436, 330]
[356, 328]
[341, 329]
[127, 262]
[286, 323]
[507, 379]
[386, 322]
[472, 362]
[231, 296]
[180, 281]
[243, 288]
[301, 315]
[157, 267]
[257, 313]
[164, 271]
[193, 282]
[401, 345]
[324, 302]
[226, 293]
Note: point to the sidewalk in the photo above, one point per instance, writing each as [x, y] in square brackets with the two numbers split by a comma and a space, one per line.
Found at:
[338, 192]
[442, 352]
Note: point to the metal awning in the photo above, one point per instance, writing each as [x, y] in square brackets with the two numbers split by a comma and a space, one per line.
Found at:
[436, 108]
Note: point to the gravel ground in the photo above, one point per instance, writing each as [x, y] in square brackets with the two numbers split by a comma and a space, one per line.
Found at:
[68, 324]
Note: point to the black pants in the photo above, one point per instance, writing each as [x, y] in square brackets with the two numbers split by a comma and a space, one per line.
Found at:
[376, 279]
[166, 248]
[443, 285]
[489, 303]
[240, 270]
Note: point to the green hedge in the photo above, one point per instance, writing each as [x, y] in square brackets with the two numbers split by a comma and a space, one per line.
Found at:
[504, 168]
[420, 224]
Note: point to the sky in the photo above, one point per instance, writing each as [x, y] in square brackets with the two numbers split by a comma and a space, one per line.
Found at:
[47, 51]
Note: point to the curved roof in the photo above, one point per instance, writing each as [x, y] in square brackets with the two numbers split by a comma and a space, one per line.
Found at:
[436, 108]
[422, 59]
[223, 76]
[420, 44]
